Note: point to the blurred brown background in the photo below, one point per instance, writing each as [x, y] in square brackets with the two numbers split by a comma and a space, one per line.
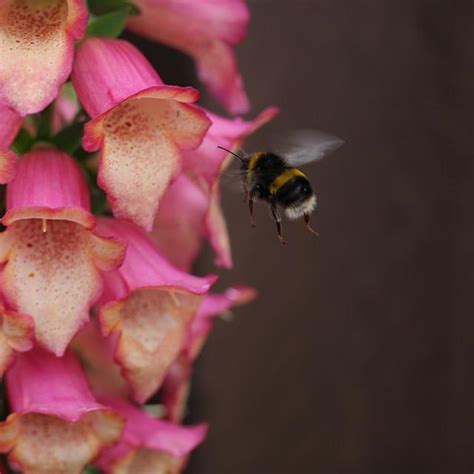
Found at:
[359, 354]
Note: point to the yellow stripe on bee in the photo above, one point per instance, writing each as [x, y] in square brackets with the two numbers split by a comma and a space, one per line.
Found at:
[283, 178]
[253, 160]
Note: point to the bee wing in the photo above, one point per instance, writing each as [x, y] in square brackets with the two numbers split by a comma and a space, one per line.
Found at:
[310, 145]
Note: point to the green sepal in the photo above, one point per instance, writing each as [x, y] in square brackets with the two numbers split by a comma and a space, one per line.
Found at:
[90, 469]
[23, 142]
[109, 25]
[44, 121]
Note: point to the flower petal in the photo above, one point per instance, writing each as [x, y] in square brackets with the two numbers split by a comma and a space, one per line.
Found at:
[16, 334]
[152, 325]
[178, 227]
[205, 30]
[36, 44]
[52, 276]
[11, 123]
[144, 266]
[56, 425]
[48, 185]
[96, 353]
[139, 124]
[148, 444]
[148, 303]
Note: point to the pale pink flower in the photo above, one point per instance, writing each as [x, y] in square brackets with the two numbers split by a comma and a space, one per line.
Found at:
[176, 385]
[190, 210]
[36, 50]
[10, 124]
[147, 304]
[52, 257]
[55, 424]
[206, 30]
[140, 125]
[149, 445]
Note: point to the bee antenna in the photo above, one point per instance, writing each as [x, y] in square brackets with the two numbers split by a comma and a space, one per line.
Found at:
[232, 153]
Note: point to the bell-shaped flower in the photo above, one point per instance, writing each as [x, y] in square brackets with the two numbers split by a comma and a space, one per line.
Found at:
[36, 50]
[149, 445]
[16, 335]
[140, 125]
[52, 259]
[147, 304]
[176, 385]
[206, 30]
[55, 425]
[10, 123]
[190, 210]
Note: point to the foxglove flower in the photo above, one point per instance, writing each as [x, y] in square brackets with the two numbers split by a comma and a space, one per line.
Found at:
[10, 123]
[149, 445]
[36, 47]
[190, 210]
[140, 125]
[55, 424]
[52, 257]
[147, 304]
[176, 386]
[206, 30]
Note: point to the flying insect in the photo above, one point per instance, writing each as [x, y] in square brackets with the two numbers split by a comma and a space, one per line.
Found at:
[276, 178]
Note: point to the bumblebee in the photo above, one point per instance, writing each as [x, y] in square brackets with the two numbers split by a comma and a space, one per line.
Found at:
[276, 179]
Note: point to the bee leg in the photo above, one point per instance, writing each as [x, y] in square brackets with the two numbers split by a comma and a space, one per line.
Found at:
[252, 222]
[308, 226]
[246, 191]
[276, 216]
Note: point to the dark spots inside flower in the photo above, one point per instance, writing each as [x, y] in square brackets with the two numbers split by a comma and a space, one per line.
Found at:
[31, 274]
[128, 124]
[29, 245]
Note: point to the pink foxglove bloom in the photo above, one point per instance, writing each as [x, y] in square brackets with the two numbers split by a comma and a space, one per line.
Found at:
[140, 125]
[147, 304]
[36, 50]
[10, 123]
[16, 335]
[206, 30]
[190, 210]
[55, 424]
[149, 445]
[52, 257]
[176, 385]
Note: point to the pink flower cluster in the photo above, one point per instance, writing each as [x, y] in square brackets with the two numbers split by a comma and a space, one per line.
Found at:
[99, 310]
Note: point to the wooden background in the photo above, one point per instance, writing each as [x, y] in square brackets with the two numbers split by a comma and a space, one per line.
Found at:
[359, 354]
